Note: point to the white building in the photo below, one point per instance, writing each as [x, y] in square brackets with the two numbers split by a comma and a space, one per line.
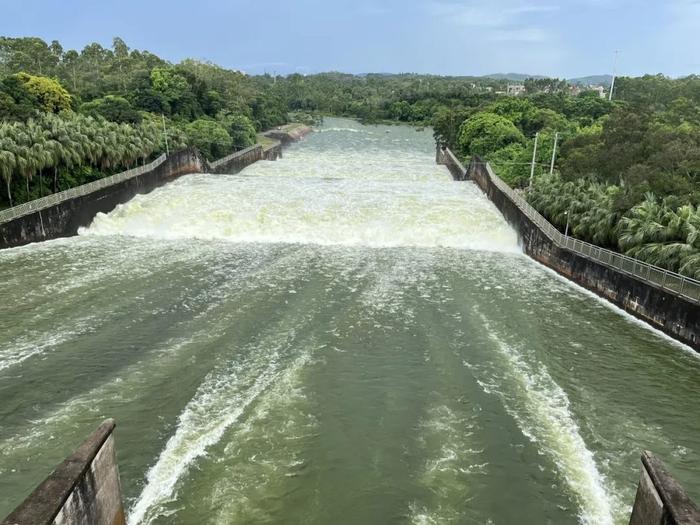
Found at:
[515, 90]
[599, 89]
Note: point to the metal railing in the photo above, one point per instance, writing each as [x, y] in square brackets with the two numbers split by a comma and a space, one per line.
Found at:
[51, 200]
[672, 282]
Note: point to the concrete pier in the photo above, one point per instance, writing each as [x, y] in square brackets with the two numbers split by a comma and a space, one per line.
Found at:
[660, 499]
[84, 489]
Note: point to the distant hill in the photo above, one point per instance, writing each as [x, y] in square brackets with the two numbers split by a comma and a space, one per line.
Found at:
[515, 77]
[596, 80]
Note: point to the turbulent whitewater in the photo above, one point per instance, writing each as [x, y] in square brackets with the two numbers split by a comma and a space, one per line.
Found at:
[345, 335]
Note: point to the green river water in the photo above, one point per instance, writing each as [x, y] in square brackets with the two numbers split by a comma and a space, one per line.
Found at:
[343, 336]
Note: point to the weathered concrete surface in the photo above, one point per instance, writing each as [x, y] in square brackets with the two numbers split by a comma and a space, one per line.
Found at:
[272, 151]
[237, 161]
[663, 310]
[660, 499]
[84, 489]
[445, 157]
[289, 133]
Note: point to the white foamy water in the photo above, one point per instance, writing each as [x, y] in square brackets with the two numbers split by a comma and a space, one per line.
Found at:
[219, 402]
[313, 211]
[377, 190]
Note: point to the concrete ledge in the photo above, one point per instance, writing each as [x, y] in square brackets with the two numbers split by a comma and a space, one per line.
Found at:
[289, 133]
[660, 499]
[237, 161]
[84, 488]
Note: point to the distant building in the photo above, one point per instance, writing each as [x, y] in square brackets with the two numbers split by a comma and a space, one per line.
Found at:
[599, 89]
[576, 90]
[515, 90]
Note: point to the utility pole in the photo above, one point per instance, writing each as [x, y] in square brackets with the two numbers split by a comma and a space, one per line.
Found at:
[165, 136]
[566, 231]
[612, 83]
[534, 157]
[554, 153]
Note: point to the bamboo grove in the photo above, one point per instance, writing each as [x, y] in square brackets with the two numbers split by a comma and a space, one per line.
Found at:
[656, 230]
[48, 153]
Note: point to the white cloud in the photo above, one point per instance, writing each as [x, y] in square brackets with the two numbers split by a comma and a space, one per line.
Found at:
[499, 20]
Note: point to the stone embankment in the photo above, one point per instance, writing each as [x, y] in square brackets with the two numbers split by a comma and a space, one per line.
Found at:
[288, 133]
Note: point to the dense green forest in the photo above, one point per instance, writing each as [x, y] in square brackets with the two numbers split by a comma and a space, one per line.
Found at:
[69, 117]
[625, 177]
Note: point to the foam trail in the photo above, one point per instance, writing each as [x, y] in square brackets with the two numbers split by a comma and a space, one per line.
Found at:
[447, 441]
[541, 409]
[29, 346]
[263, 455]
[219, 402]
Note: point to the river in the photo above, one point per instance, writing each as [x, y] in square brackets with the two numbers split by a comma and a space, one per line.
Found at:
[342, 336]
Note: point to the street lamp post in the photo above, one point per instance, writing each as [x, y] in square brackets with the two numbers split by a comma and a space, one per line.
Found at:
[554, 153]
[165, 136]
[566, 231]
[534, 158]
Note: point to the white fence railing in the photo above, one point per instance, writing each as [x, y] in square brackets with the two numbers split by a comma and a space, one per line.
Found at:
[50, 200]
[672, 282]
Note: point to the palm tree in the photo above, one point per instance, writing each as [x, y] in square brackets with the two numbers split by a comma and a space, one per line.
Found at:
[71, 140]
[7, 166]
[660, 235]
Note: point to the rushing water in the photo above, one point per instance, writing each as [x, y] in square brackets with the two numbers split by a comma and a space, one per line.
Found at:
[341, 336]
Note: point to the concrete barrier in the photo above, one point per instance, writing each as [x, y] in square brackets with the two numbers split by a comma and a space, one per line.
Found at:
[84, 489]
[237, 161]
[664, 307]
[289, 133]
[660, 499]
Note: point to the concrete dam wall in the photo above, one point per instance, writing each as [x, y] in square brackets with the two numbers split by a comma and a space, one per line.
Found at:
[62, 214]
[670, 306]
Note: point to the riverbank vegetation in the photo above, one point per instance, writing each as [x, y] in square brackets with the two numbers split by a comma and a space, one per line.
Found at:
[69, 117]
[626, 174]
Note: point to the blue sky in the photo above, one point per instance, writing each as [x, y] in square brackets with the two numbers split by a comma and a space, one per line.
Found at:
[565, 38]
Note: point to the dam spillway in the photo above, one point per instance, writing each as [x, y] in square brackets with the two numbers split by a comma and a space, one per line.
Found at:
[344, 335]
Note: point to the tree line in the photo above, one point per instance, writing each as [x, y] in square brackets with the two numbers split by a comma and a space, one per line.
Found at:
[88, 114]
